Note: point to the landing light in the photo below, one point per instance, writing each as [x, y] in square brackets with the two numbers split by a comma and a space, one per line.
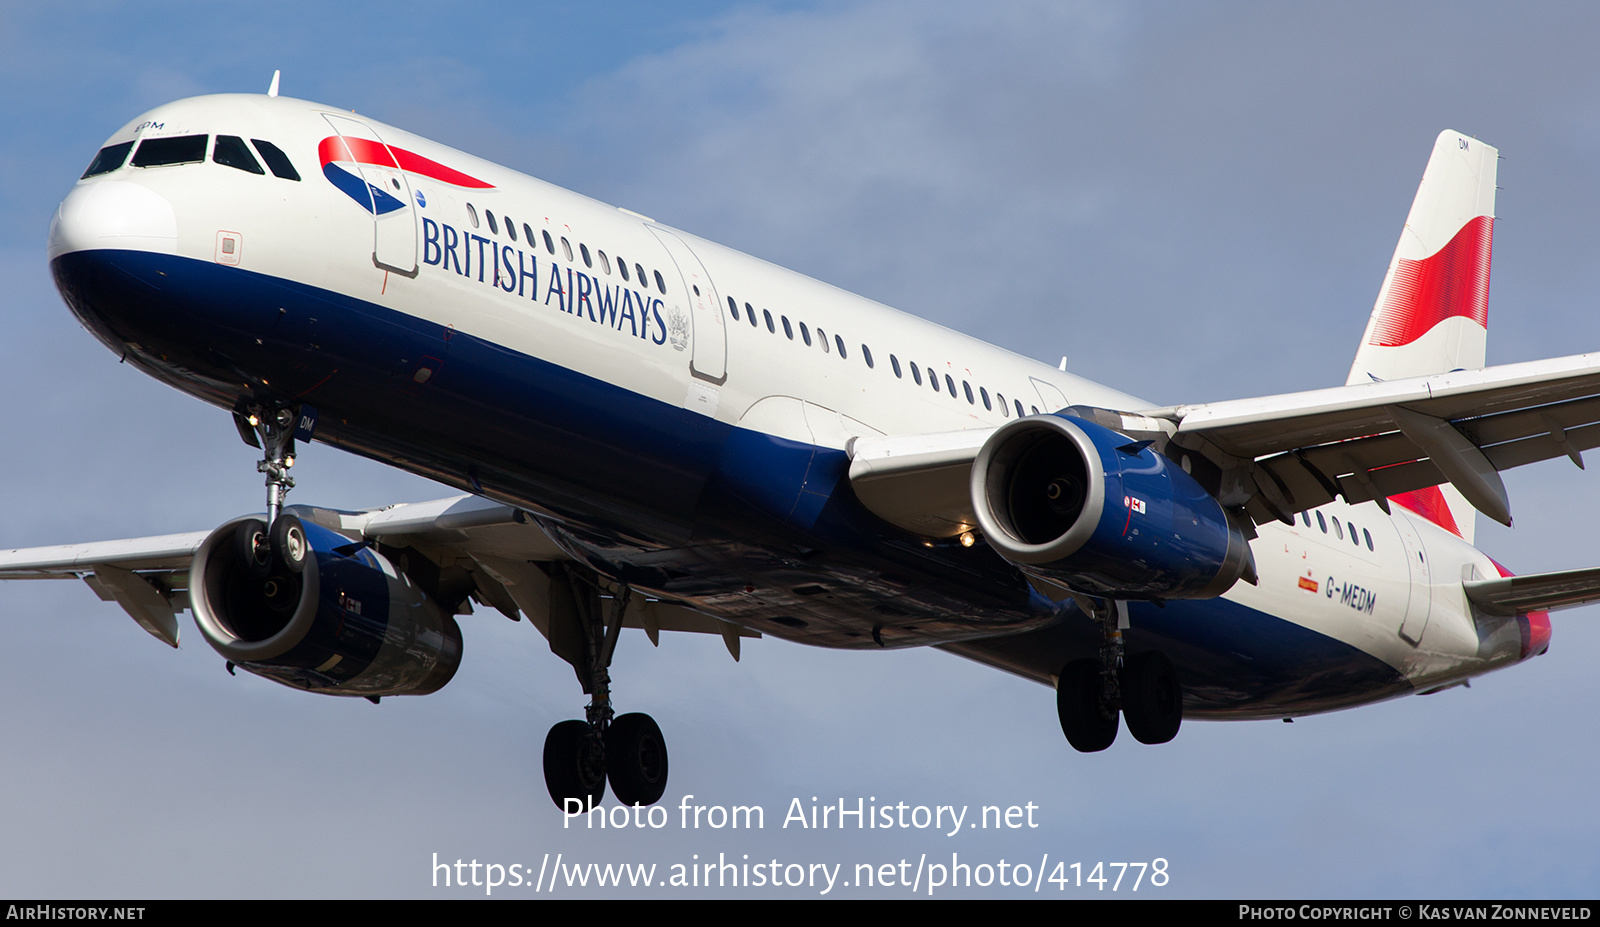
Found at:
[968, 539]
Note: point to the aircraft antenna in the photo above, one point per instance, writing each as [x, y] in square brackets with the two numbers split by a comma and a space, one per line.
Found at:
[272, 90]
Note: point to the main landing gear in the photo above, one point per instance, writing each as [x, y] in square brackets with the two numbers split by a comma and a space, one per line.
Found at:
[580, 756]
[1143, 689]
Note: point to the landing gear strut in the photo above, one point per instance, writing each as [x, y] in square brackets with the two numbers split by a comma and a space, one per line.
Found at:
[272, 428]
[1143, 689]
[579, 756]
[276, 550]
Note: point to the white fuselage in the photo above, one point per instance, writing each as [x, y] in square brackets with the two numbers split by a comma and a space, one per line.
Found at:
[803, 376]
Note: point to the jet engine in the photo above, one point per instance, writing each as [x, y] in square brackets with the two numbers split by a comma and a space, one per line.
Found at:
[314, 610]
[1077, 503]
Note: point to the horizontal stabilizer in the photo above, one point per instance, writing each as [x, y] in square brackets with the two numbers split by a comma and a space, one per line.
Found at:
[1536, 592]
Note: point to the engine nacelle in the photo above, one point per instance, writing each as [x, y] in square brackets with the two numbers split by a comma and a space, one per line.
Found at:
[348, 623]
[1072, 501]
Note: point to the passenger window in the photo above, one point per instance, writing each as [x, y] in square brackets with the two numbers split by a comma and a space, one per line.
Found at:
[951, 385]
[839, 343]
[985, 394]
[1322, 523]
[1305, 517]
[566, 248]
[549, 243]
[230, 151]
[768, 316]
[894, 362]
[177, 149]
[277, 162]
[489, 214]
[805, 334]
[968, 388]
[660, 283]
[583, 249]
[787, 331]
[1005, 410]
[473, 215]
[933, 379]
[1338, 532]
[1368, 535]
[605, 263]
[748, 311]
[733, 307]
[1035, 409]
[511, 228]
[916, 375]
[108, 159]
[622, 266]
[866, 355]
[645, 281]
[527, 232]
[1353, 539]
[1019, 408]
[822, 336]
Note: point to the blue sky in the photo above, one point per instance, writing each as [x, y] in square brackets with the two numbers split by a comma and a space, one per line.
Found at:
[1189, 202]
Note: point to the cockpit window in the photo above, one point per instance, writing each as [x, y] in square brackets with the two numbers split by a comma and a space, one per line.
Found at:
[230, 150]
[176, 149]
[109, 159]
[277, 161]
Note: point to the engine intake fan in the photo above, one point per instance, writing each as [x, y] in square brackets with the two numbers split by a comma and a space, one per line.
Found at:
[1081, 505]
[321, 613]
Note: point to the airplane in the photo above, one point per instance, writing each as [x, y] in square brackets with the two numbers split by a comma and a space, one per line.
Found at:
[653, 431]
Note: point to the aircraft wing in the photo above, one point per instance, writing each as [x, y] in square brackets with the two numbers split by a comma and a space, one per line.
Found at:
[1374, 440]
[491, 552]
[1536, 592]
[1279, 455]
[146, 576]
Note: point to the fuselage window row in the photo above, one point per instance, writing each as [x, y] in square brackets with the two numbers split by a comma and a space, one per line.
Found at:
[589, 258]
[749, 314]
[1338, 531]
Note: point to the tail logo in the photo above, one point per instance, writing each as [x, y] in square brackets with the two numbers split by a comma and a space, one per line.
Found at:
[1430, 504]
[1454, 281]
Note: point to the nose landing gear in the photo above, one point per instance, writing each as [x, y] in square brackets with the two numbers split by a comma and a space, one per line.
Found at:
[274, 551]
[272, 428]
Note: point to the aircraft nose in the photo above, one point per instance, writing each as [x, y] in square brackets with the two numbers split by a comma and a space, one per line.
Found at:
[113, 214]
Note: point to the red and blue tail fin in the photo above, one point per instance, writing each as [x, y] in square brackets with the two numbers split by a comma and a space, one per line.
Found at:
[1432, 312]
